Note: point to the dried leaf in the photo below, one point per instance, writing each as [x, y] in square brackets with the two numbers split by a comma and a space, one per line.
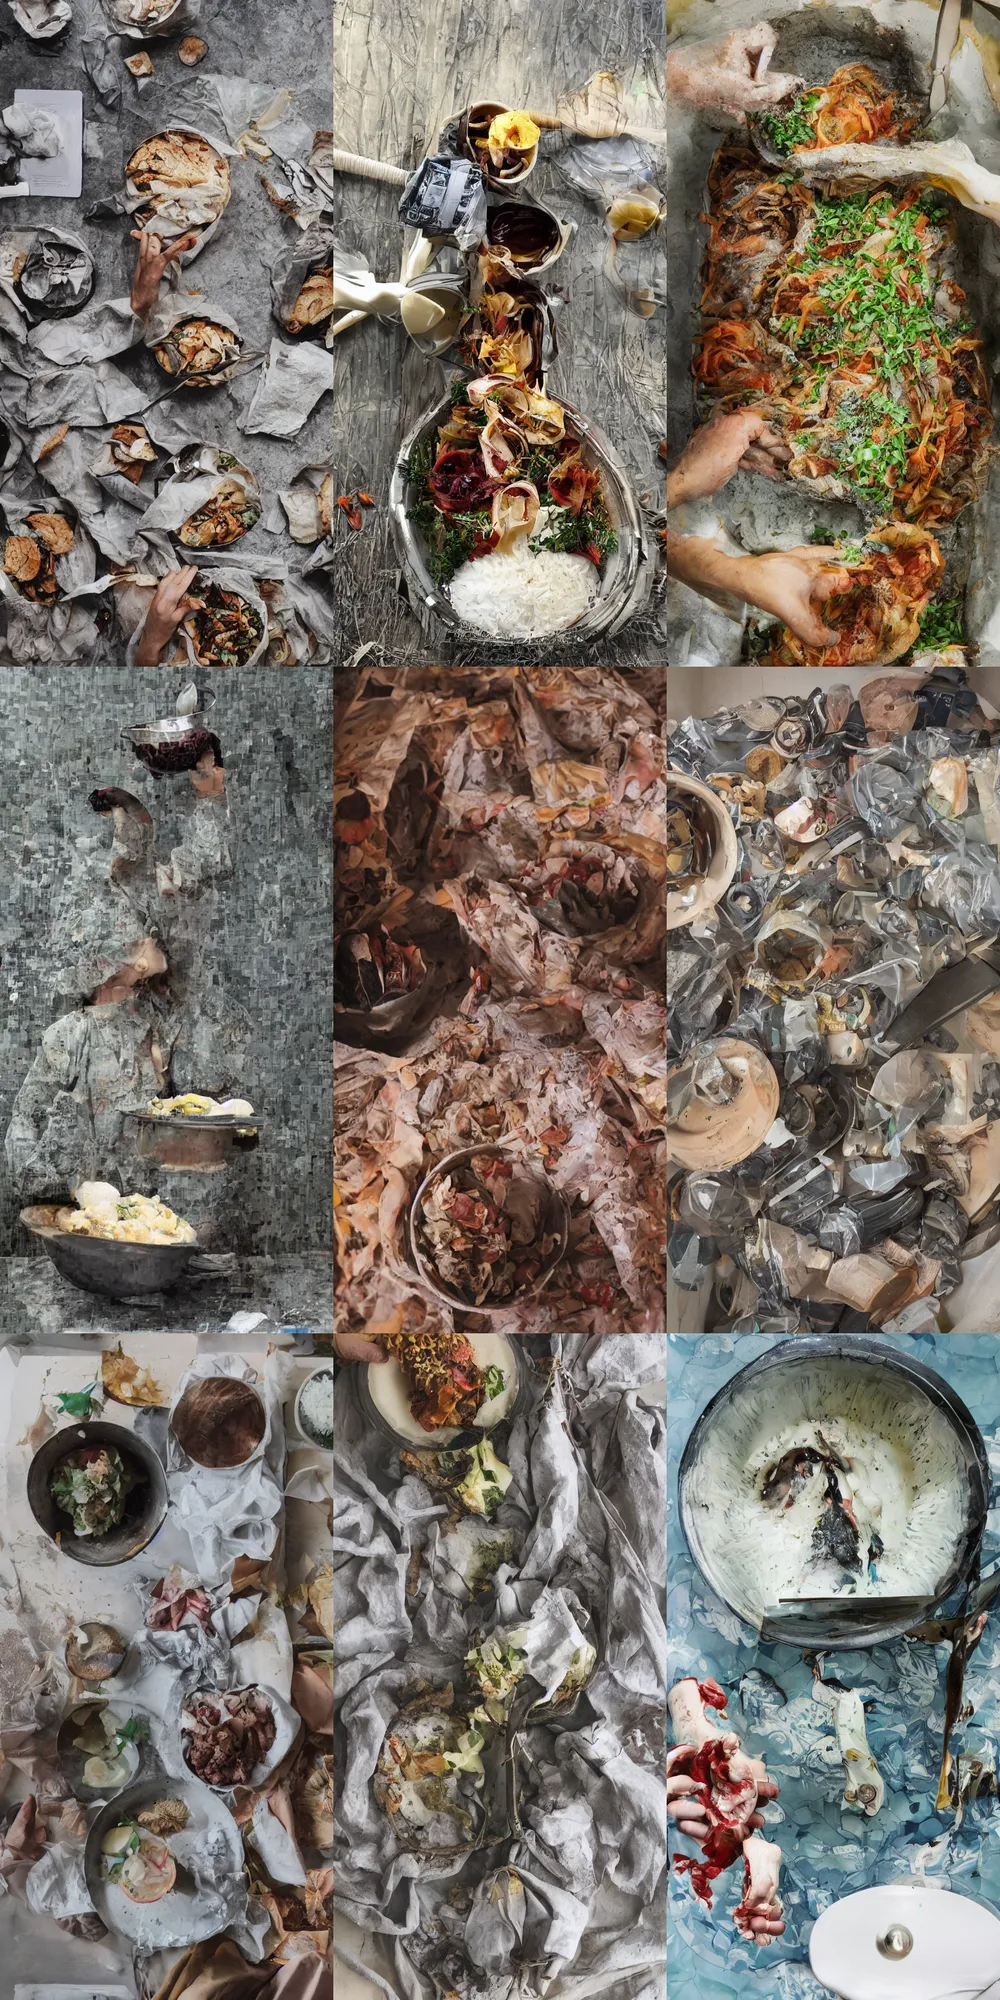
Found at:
[37, 1432]
[51, 443]
[126, 1382]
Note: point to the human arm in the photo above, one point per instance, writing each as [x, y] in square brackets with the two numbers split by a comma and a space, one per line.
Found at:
[792, 584]
[732, 75]
[151, 263]
[170, 603]
[715, 451]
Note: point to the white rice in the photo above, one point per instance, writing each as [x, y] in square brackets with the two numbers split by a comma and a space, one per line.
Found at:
[316, 1406]
[524, 594]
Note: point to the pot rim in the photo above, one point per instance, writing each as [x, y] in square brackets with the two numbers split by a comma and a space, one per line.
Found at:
[436, 1285]
[800, 1633]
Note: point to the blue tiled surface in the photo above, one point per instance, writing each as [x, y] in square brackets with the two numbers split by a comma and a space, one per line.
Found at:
[828, 1852]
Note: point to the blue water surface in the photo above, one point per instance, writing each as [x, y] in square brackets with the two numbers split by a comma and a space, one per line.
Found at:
[828, 1851]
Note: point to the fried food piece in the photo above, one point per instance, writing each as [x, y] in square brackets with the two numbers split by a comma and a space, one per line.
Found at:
[314, 303]
[22, 558]
[55, 531]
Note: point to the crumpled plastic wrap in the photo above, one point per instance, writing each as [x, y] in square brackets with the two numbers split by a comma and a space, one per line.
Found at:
[580, 1893]
[472, 796]
[880, 1162]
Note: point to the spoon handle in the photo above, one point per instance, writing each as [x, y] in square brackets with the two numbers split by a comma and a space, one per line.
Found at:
[370, 170]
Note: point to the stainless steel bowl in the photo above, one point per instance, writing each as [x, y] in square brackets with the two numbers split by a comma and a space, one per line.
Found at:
[145, 1505]
[115, 1270]
[848, 1623]
[627, 575]
[555, 1221]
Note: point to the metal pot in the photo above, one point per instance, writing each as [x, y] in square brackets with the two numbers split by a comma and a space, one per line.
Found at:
[145, 1505]
[847, 1623]
[98, 1264]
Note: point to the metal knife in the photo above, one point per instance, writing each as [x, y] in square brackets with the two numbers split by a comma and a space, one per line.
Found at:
[945, 995]
[947, 35]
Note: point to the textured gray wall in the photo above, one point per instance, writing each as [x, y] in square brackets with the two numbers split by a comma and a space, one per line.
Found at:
[58, 741]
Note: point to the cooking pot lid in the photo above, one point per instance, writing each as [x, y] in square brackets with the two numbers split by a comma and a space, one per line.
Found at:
[903, 1941]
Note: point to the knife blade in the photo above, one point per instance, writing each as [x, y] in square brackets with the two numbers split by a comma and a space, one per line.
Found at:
[958, 986]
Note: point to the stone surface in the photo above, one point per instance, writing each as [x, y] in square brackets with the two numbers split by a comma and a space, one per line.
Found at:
[60, 741]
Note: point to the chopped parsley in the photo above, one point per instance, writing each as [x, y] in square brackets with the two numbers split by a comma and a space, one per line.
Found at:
[941, 624]
[496, 1382]
[793, 128]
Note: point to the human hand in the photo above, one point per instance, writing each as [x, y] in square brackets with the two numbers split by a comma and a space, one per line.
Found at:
[730, 75]
[689, 1813]
[354, 1347]
[712, 454]
[208, 777]
[765, 1791]
[170, 603]
[791, 583]
[151, 265]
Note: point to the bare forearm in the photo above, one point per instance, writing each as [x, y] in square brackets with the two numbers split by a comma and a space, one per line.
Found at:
[696, 561]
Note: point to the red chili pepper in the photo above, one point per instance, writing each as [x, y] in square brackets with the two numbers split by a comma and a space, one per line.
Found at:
[591, 549]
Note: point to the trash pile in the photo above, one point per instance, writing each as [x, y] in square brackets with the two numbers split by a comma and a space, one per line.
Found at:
[499, 984]
[832, 1158]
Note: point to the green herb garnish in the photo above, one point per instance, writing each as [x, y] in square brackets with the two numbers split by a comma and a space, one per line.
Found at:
[793, 127]
[496, 1381]
[79, 1402]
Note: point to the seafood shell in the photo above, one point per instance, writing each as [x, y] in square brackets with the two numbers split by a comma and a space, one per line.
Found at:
[721, 1135]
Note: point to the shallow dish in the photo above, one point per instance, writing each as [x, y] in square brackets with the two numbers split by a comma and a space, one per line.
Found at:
[322, 1368]
[389, 1407]
[97, 1264]
[183, 1916]
[145, 1505]
[72, 1759]
[625, 579]
[287, 1730]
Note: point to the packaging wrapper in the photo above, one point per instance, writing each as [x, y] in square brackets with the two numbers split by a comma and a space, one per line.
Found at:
[308, 504]
[95, 334]
[180, 651]
[17, 315]
[311, 252]
[169, 227]
[527, 1056]
[41, 19]
[172, 308]
[198, 474]
[182, 14]
[291, 385]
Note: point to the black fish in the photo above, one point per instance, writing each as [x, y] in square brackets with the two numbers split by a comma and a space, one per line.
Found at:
[835, 1537]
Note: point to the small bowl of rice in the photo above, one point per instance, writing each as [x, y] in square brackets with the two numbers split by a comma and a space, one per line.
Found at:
[314, 1407]
[530, 593]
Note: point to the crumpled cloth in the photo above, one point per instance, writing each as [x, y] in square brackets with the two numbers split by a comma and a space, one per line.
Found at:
[587, 1517]
[214, 1971]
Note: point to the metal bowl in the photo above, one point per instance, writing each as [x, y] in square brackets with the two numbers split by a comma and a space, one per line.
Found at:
[177, 742]
[846, 1622]
[199, 1410]
[626, 578]
[145, 1506]
[115, 1270]
[555, 1222]
[445, 1439]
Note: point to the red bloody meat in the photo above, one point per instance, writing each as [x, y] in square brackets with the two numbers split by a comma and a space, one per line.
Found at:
[460, 482]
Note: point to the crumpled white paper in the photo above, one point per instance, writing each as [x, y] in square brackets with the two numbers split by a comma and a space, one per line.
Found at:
[291, 385]
[41, 19]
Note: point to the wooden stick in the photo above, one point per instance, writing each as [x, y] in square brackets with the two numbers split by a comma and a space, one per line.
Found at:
[645, 133]
[370, 170]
